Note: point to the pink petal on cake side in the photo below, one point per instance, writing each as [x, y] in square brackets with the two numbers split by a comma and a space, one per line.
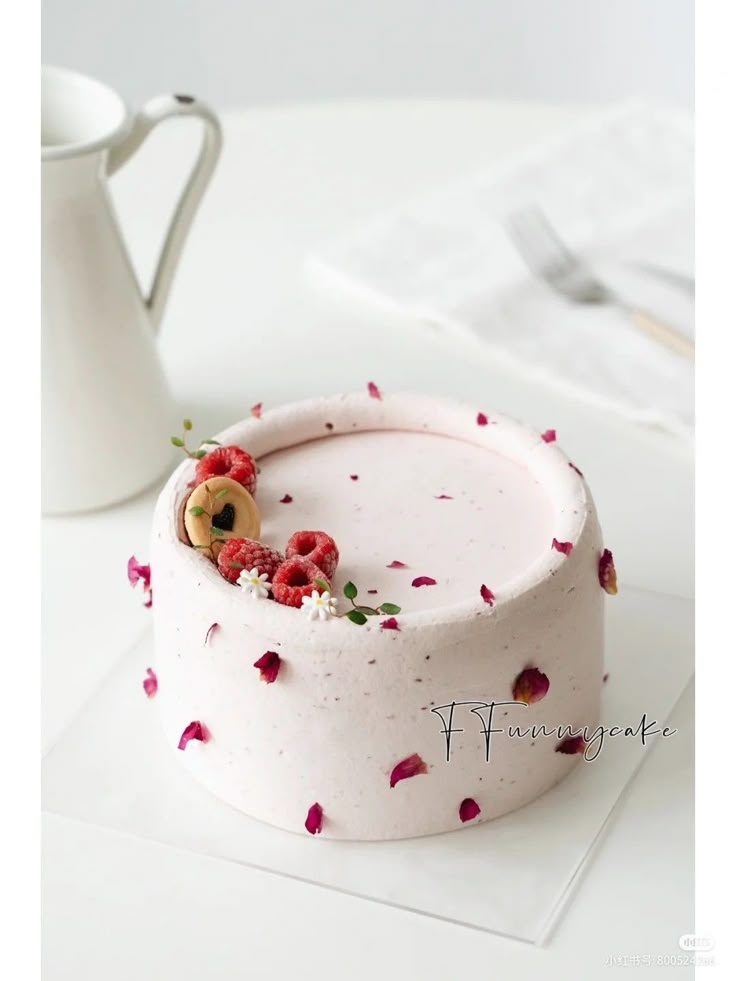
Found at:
[424, 581]
[530, 686]
[195, 730]
[482, 419]
[138, 572]
[564, 547]
[353, 476]
[443, 497]
[148, 601]
[268, 664]
[390, 624]
[313, 824]
[373, 390]
[286, 499]
[487, 595]
[607, 573]
[577, 470]
[373, 591]
[396, 565]
[571, 746]
[256, 410]
[605, 677]
[410, 767]
[469, 809]
[210, 630]
[549, 435]
[150, 683]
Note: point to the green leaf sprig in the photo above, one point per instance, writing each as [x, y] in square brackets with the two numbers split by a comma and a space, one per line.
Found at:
[359, 613]
[181, 442]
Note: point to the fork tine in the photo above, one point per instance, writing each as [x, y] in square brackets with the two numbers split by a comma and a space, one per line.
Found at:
[538, 243]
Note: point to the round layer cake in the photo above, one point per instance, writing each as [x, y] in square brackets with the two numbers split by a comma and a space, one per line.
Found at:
[472, 547]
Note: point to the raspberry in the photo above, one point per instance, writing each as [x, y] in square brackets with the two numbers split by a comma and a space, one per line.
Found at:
[228, 461]
[294, 579]
[317, 547]
[241, 553]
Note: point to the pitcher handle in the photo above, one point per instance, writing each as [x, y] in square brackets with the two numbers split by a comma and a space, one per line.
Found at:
[154, 112]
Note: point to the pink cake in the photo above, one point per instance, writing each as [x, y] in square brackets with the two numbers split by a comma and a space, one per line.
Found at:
[476, 543]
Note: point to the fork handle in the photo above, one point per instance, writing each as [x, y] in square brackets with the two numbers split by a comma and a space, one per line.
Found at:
[662, 332]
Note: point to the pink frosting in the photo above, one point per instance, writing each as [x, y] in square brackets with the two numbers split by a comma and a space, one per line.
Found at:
[357, 699]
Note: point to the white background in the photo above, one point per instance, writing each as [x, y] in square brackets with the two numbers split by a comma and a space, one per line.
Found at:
[254, 52]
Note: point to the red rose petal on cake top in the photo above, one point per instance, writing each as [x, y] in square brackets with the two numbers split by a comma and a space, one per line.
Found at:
[564, 547]
[577, 470]
[410, 767]
[286, 499]
[353, 476]
[313, 824]
[228, 461]
[469, 809]
[256, 410]
[374, 391]
[141, 573]
[317, 547]
[530, 686]
[268, 664]
[607, 573]
[150, 683]
[424, 581]
[396, 565]
[482, 419]
[195, 730]
[549, 435]
[487, 595]
[390, 624]
[210, 630]
[442, 497]
[571, 746]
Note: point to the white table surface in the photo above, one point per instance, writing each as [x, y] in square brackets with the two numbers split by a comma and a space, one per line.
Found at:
[241, 328]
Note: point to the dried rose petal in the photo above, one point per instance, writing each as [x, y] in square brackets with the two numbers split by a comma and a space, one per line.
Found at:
[195, 730]
[374, 591]
[353, 476]
[605, 677]
[138, 572]
[482, 419]
[443, 497]
[571, 745]
[487, 595]
[410, 767]
[256, 410]
[313, 824]
[150, 683]
[268, 664]
[141, 573]
[549, 435]
[577, 470]
[607, 573]
[373, 390]
[286, 499]
[469, 809]
[564, 547]
[396, 565]
[530, 686]
[424, 581]
[210, 630]
[390, 624]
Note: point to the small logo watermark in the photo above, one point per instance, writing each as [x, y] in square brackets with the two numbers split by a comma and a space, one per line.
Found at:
[694, 941]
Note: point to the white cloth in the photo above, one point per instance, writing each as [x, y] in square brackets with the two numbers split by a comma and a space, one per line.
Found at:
[618, 188]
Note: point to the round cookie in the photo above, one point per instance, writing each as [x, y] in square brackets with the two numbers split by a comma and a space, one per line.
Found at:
[218, 509]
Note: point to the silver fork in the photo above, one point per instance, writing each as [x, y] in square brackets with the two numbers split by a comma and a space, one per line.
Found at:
[550, 259]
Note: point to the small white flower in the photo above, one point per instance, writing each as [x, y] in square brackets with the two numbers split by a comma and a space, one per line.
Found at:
[319, 605]
[256, 586]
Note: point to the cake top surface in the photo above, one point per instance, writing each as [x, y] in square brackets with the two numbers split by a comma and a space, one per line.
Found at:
[438, 507]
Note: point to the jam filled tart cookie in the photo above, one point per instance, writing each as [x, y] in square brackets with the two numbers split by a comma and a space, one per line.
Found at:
[219, 509]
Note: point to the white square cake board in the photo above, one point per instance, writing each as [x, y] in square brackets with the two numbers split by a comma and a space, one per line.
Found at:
[512, 876]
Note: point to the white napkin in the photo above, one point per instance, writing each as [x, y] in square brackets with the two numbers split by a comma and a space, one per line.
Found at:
[617, 188]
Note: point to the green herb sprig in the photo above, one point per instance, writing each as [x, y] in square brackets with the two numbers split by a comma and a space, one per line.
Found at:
[359, 613]
[181, 442]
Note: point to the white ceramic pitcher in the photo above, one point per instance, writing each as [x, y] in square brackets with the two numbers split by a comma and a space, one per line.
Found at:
[107, 414]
